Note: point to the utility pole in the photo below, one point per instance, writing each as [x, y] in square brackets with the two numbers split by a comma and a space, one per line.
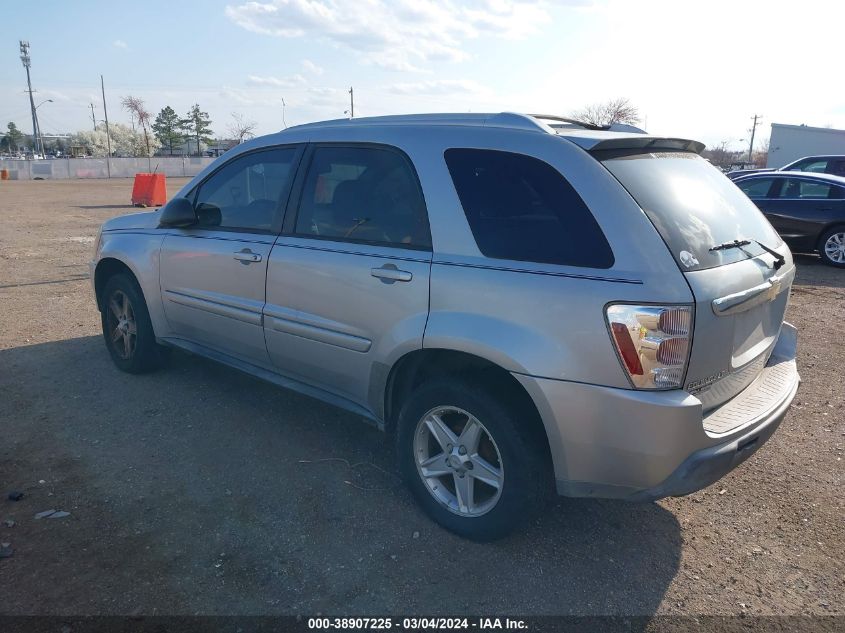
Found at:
[108, 136]
[27, 62]
[93, 118]
[284, 105]
[351, 104]
[753, 129]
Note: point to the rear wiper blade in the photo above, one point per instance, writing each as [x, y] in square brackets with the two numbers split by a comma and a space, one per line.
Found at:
[727, 245]
[780, 260]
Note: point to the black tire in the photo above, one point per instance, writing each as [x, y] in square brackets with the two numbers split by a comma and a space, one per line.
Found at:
[143, 354]
[824, 238]
[524, 464]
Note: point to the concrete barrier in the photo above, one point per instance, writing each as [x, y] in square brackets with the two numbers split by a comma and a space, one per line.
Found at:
[68, 168]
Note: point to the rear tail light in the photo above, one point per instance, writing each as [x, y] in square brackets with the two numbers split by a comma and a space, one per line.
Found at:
[653, 343]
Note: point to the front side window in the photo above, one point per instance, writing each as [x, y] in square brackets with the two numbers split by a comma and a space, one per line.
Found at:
[245, 194]
[756, 188]
[363, 194]
[521, 208]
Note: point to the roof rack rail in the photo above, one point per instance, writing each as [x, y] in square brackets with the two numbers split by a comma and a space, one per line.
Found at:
[563, 119]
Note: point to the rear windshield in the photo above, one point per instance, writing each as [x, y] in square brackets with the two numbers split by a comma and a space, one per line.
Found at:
[693, 206]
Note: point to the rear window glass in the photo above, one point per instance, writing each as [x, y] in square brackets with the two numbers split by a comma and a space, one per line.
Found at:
[521, 208]
[693, 207]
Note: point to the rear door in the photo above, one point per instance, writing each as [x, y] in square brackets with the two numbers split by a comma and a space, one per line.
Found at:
[348, 281]
[213, 274]
[800, 209]
[740, 292]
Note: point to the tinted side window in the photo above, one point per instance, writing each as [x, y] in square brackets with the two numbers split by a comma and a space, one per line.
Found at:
[836, 167]
[363, 194]
[245, 193]
[810, 189]
[756, 188]
[819, 166]
[522, 208]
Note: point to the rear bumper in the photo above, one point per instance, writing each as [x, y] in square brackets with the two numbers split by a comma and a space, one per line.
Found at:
[641, 445]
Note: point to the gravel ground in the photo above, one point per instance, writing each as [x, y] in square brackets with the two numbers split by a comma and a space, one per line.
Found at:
[199, 490]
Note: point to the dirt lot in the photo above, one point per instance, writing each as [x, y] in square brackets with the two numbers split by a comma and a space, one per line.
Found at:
[199, 490]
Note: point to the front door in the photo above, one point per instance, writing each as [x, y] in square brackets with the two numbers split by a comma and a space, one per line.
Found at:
[213, 274]
[347, 285]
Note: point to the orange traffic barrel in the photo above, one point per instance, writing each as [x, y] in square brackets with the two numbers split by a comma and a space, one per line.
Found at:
[4, 174]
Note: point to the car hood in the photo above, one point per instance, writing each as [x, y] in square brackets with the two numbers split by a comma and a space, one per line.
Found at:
[146, 220]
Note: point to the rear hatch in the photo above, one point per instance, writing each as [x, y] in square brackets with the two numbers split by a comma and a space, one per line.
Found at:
[740, 289]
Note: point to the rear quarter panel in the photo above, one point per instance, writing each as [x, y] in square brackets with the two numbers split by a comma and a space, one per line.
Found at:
[539, 319]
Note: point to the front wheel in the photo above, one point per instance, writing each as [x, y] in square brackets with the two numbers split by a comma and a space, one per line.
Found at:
[832, 247]
[469, 459]
[127, 329]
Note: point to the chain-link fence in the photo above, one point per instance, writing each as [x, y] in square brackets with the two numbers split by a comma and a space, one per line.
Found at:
[64, 168]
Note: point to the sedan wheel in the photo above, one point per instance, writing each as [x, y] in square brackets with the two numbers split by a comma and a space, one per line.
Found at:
[458, 461]
[834, 247]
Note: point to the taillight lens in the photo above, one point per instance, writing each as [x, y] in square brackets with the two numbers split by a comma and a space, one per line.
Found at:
[652, 342]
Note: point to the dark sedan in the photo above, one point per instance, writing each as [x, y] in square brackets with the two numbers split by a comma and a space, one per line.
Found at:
[808, 210]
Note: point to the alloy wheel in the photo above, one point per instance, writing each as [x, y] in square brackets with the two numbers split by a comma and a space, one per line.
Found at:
[122, 327]
[834, 247]
[458, 461]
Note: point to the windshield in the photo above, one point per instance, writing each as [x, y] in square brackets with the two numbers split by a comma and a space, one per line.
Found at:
[694, 207]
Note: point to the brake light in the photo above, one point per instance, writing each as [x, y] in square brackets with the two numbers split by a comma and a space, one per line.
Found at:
[652, 343]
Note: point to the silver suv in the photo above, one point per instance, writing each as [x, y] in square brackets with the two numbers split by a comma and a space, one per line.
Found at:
[523, 302]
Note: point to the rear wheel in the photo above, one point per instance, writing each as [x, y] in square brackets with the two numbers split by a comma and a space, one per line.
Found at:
[127, 329]
[469, 459]
[832, 247]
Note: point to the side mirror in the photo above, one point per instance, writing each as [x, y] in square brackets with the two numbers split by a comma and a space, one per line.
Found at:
[178, 213]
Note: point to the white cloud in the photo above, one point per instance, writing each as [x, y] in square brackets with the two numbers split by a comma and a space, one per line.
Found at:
[394, 34]
[293, 81]
[311, 67]
[120, 44]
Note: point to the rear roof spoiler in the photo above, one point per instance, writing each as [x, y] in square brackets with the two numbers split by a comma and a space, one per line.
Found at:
[638, 143]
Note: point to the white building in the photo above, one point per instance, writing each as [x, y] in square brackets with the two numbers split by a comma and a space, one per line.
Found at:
[791, 142]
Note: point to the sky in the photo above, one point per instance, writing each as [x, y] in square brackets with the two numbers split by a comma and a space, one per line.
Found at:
[695, 68]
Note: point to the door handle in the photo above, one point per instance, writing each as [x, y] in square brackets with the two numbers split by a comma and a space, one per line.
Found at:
[389, 273]
[247, 257]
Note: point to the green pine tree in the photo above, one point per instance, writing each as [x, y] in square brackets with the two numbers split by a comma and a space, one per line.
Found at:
[168, 129]
[198, 126]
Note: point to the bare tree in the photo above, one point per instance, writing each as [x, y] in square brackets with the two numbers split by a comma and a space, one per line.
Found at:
[240, 128]
[619, 110]
[138, 113]
[721, 156]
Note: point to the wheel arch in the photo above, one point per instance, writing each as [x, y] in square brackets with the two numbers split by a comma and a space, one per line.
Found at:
[107, 268]
[415, 367]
